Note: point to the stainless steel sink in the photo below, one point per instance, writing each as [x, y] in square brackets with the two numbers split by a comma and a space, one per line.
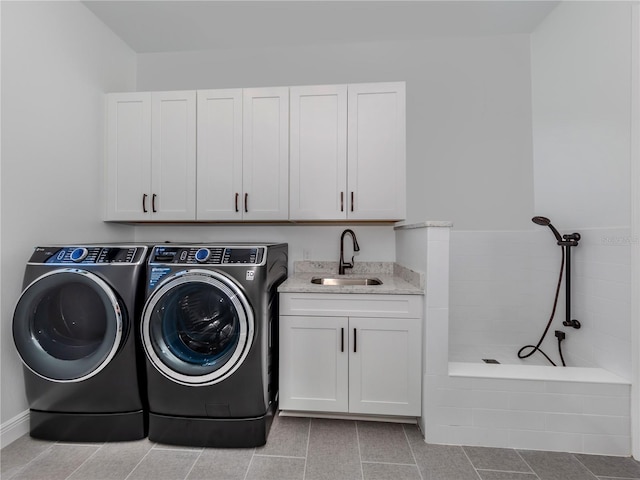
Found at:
[346, 281]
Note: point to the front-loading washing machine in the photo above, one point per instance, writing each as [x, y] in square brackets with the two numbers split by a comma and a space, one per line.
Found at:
[209, 331]
[75, 327]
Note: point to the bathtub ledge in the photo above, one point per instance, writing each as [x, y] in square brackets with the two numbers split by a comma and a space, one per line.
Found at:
[535, 372]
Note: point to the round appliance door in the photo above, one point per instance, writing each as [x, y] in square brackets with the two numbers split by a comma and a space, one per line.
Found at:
[197, 327]
[67, 325]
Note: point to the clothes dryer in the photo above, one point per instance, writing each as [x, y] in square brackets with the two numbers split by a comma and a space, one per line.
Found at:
[209, 331]
[75, 327]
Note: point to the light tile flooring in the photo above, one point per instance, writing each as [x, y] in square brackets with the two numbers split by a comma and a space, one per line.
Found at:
[306, 449]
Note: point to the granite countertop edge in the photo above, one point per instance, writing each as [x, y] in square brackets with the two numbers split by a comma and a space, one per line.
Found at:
[393, 283]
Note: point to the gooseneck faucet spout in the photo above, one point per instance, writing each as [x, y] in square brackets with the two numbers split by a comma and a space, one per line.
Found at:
[356, 248]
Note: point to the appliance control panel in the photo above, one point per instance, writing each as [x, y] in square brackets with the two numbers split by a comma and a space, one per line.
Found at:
[88, 255]
[207, 255]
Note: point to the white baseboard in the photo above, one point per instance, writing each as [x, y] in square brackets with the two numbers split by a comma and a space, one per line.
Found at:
[14, 428]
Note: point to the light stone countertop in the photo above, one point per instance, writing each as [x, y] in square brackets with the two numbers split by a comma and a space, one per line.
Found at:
[396, 280]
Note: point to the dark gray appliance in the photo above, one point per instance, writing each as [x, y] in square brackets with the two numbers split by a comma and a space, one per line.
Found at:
[209, 331]
[75, 327]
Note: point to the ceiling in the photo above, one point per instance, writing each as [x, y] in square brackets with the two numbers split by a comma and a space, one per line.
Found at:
[184, 25]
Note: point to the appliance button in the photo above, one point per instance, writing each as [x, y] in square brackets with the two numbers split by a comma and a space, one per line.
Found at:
[202, 255]
[79, 254]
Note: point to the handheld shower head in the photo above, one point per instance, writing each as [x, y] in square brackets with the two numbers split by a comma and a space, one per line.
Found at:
[545, 222]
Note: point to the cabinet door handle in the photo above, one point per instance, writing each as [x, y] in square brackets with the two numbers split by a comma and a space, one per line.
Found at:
[237, 195]
[355, 341]
[342, 201]
[144, 203]
[342, 339]
[153, 203]
[246, 203]
[352, 201]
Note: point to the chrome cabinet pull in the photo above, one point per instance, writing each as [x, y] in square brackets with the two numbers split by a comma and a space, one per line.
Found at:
[144, 203]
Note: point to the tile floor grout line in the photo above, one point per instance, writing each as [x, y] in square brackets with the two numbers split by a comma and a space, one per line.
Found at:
[21, 469]
[504, 471]
[359, 450]
[248, 466]
[194, 464]
[412, 452]
[390, 463]
[589, 470]
[176, 448]
[278, 456]
[89, 458]
[470, 462]
[526, 463]
[306, 454]
[141, 460]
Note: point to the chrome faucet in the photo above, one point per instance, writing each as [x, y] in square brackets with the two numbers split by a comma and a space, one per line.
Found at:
[356, 248]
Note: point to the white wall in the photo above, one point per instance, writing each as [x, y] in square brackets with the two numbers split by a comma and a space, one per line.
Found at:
[581, 86]
[468, 112]
[503, 282]
[581, 90]
[57, 61]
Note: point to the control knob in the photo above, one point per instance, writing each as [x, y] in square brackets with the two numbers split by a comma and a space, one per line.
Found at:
[78, 254]
[202, 255]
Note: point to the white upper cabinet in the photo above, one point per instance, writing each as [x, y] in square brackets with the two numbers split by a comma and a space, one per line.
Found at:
[243, 154]
[128, 165]
[265, 154]
[348, 156]
[376, 151]
[312, 153]
[173, 155]
[151, 156]
[219, 182]
[318, 182]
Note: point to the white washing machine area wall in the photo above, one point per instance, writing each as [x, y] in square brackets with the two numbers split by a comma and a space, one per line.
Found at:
[209, 331]
[75, 327]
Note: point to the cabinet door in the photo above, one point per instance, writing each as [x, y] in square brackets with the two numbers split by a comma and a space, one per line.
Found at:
[384, 366]
[219, 177]
[318, 170]
[128, 160]
[265, 153]
[173, 153]
[376, 151]
[313, 363]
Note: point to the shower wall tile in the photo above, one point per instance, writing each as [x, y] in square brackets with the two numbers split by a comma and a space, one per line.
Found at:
[502, 286]
[605, 425]
[508, 419]
[606, 445]
[436, 356]
[531, 414]
[542, 440]
[606, 405]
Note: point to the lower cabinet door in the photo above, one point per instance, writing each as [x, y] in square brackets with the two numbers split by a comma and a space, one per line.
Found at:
[384, 366]
[314, 363]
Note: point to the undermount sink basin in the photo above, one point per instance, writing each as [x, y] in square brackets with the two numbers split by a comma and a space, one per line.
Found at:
[346, 281]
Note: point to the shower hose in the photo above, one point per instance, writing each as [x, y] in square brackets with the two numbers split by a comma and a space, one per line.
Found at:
[536, 348]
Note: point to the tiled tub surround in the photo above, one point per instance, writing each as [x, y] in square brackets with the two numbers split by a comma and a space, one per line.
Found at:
[306, 449]
[502, 286]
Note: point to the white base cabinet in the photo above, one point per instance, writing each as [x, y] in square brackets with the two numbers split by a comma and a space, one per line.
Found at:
[358, 354]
